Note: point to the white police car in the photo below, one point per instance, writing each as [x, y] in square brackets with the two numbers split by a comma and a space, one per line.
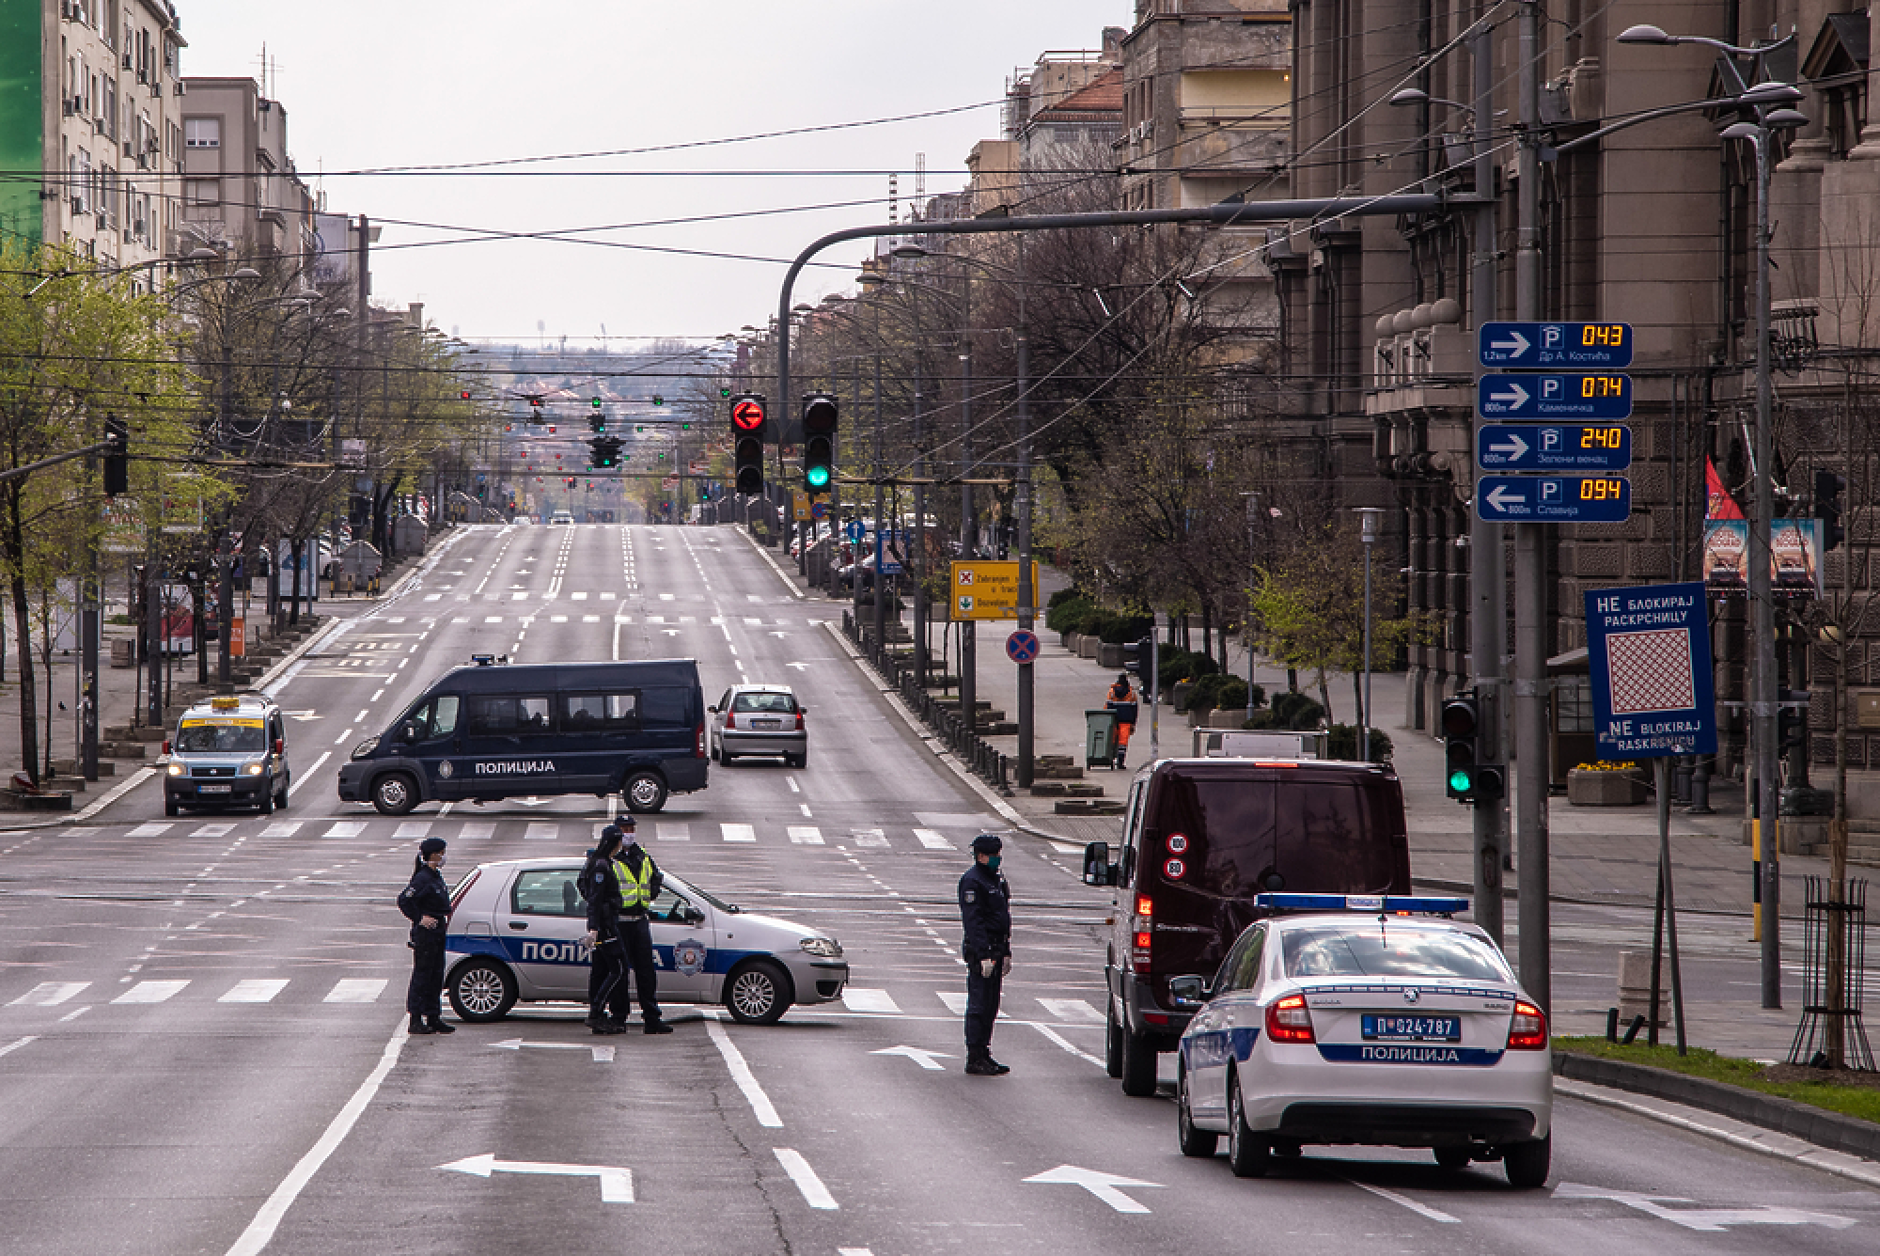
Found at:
[1369, 1020]
[518, 931]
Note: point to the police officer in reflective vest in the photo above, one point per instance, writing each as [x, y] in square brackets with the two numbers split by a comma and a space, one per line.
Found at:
[634, 881]
[986, 919]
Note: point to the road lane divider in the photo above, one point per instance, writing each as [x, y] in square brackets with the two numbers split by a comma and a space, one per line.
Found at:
[745, 1079]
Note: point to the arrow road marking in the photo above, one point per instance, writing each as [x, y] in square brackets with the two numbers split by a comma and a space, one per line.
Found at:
[923, 1058]
[1513, 446]
[616, 1184]
[602, 1055]
[1516, 344]
[1514, 398]
[1502, 497]
[1105, 1186]
[1709, 1220]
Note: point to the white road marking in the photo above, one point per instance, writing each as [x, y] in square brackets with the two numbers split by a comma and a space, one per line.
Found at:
[815, 1194]
[49, 994]
[356, 990]
[541, 831]
[346, 828]
[805, 835]
[151, 992]
[742, 1075]
[156, 829]
[1074, 1010]
[739, 832]
[1422, 1210]
[861, 1000]
[933, 841]
[260, 1231]
[255, 990]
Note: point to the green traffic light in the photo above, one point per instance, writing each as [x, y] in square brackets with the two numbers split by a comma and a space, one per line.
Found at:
[818, 477]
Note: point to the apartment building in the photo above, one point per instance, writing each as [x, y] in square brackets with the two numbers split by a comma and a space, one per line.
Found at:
[101, 76]
[241, 192]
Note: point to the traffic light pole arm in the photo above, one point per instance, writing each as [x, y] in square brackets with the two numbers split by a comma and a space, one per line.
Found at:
[1224, 215]
[102, 447]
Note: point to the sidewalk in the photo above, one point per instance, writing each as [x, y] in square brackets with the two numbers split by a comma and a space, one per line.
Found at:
[1598, 855]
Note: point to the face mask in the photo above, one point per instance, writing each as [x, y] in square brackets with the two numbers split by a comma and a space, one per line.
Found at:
[992, 863]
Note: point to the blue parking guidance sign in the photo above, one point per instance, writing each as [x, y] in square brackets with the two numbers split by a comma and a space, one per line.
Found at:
[1648, 648]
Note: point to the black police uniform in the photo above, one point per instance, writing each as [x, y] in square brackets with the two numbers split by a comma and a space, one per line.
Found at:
[607, 970]
[636, 934]
[427, 895]
[986, 919]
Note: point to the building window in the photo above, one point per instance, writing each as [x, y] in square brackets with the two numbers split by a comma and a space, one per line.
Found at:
[202, 132]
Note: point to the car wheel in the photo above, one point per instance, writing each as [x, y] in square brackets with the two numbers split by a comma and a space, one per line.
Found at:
[1112, 1043]
[170, 806]
[266, 805]
[482, 991]
[1193, 1142]
[394, 794]
[1452, 1158]
[1527, 1163]
[644, 791]
[1248, 1155]
[1138, 1065]
[758, 993]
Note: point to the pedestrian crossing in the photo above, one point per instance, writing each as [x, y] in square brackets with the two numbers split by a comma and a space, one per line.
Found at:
[953, 1002]
[574, 833]
[246, 990]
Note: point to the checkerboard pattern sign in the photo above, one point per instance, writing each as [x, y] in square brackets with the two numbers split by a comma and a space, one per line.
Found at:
[1651, 671]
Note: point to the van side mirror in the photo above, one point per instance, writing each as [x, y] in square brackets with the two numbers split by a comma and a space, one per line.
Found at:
[1186, 992]
[1098, 870]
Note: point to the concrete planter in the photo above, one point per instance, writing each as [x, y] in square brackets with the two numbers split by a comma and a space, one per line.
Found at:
[1605, 789]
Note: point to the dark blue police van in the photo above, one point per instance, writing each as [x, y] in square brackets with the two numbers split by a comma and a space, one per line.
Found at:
[492, 730]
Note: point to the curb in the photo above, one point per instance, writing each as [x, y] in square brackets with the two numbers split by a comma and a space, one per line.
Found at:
[1828, 1130]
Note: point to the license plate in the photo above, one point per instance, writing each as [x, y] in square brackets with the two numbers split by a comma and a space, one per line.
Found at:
[215, 789]
[1412, 1028]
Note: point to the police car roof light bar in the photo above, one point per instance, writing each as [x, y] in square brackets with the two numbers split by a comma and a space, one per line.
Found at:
[1362, 902]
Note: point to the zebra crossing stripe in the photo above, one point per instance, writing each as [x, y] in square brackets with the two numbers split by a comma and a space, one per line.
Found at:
[255, 990]
[805, 835]
[356, 990]
[151, 992]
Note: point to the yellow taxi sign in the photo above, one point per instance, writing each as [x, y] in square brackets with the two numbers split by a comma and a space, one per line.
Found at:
[988, 589]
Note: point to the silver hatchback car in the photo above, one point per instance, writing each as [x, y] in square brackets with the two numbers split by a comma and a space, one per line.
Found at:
[759, 720]
[518, 932]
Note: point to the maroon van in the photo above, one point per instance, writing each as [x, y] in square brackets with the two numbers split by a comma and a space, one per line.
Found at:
[1201, 837]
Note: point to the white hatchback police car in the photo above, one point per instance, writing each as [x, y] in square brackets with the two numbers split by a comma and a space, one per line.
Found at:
[518, 931]
[1368, 1020]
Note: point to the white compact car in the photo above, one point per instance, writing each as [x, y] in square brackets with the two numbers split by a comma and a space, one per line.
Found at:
[518, 931]
[1365, 1020]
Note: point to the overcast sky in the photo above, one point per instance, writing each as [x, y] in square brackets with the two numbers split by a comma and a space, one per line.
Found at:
[400, 83]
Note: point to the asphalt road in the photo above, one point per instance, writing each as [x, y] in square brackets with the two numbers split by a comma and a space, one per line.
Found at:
[200, 1018]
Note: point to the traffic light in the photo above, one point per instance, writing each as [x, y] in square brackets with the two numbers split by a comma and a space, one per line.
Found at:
[1828, 489]
[117, 462]
[604, 451]
[819, 441]
[1466, 778]
[1792, 720]
[748, 430]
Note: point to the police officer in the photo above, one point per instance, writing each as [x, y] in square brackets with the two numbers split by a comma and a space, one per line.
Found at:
[426, 903]
[986, 919]
[608, 955]
[640, 882]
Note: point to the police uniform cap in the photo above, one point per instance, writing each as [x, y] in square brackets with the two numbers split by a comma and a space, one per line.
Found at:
[987, 844]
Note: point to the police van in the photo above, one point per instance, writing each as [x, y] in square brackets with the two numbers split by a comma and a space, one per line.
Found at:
[230, 751]
[495, 730]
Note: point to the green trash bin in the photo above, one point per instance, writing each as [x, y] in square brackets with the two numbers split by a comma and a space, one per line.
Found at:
[1099, 739]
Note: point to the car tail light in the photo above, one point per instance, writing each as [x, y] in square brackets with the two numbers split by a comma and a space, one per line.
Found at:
[698, 745]
[1527, 1029]
[1289, 1020]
